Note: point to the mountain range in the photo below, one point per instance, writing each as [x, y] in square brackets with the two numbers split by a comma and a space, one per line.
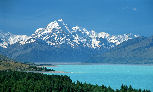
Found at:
[134, 51]
[57, 42]
[57, 33]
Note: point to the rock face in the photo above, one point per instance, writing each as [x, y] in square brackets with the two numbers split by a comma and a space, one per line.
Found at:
[58, 42]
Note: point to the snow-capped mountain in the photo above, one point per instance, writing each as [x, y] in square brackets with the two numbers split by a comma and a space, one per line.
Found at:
[7, 39]
[58, 42]
[57, 33]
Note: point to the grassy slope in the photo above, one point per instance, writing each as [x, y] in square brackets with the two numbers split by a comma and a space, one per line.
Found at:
[8, 64]
[5, 65]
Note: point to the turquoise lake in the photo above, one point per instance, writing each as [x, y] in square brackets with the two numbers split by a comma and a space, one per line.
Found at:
[139, 76]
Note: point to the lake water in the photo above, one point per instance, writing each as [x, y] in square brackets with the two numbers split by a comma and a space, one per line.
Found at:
[139, 76]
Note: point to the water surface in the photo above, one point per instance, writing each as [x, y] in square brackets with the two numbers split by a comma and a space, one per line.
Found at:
[139, 76]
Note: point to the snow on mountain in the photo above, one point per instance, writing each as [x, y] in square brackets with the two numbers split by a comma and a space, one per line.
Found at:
[116, 39]
[9, 39]
[58, 33]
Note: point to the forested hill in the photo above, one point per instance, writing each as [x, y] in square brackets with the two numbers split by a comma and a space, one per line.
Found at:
[134, 51]
[11, 81]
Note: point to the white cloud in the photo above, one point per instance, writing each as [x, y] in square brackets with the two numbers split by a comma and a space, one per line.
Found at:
[129, 8]
[134, 9]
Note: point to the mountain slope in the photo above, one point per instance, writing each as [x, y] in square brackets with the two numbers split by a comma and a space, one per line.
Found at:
[57, 42]
[7, 39]
[9, 64]
[6, 63]
[58, 33]
[135, 51]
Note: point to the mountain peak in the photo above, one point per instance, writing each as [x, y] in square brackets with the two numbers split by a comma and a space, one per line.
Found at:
[60, 20]
[53, 25]
[58, 33]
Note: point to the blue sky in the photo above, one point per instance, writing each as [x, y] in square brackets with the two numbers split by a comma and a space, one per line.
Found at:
[112, 16]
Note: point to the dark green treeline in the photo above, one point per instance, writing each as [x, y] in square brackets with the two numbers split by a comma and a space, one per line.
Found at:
[12, 81]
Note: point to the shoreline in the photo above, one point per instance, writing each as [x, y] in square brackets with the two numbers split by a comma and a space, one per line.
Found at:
[48, 72]
[56, 65]
[47, 66]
